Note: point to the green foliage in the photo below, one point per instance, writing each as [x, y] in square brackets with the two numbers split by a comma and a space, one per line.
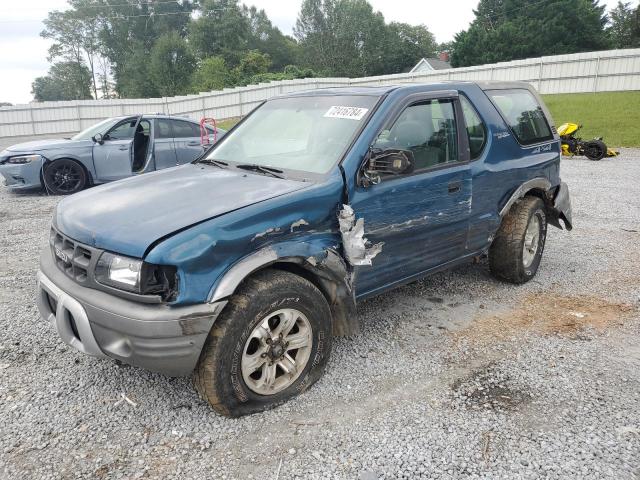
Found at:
[212, 74]
[624, 29]
[342, 37]
[266, 38]
[221, 30]
[65, 81]
[348, 38]
[406, 44]
[171, 65]
[252, 63]
[512, 29]
[614, 116]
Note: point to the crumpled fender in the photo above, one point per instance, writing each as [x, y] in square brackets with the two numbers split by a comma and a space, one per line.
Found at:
[557, 200]
[319, 257]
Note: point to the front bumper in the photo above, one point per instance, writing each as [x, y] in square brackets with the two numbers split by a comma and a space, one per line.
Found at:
[156, 337]
[22, 176]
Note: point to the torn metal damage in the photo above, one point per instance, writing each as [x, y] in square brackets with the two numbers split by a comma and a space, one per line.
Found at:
[299, 223]
[353, 240]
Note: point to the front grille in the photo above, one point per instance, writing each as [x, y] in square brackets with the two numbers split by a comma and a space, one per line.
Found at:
[73, 258]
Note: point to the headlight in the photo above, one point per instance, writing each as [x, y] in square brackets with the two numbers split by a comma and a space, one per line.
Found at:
[22, 159]
[136, 276]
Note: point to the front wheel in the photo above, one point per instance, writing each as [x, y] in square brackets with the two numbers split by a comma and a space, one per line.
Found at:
[271, 343]
[64, 177]
[516, 251]
[594, 150]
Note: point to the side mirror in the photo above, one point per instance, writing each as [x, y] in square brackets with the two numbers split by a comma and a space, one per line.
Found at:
[98, 138]
[391, 161]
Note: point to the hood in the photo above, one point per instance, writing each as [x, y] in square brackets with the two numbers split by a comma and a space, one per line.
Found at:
[39, 145]
[129, 215]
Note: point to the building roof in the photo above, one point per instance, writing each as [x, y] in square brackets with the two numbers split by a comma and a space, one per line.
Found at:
[430, 64]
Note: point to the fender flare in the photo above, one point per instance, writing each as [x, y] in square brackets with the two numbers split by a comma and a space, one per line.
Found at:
[323, 263]
[535, 183]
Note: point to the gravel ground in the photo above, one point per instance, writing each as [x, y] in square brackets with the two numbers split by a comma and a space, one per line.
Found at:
[455, 376]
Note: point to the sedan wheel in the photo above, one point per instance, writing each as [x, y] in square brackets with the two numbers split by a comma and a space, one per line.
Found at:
[64, 177]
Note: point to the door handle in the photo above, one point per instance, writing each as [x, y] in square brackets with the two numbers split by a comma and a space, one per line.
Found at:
[193, 144]
[454, 187]
[123, 148]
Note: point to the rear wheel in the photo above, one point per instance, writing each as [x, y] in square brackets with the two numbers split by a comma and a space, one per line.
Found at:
[271, 343]
[516, 251]
[64, 177]
[594, 150]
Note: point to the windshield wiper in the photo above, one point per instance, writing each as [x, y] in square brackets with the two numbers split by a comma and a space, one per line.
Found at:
[254, 167]
[211, 161]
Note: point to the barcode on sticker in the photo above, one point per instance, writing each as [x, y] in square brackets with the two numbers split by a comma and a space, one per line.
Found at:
[351, 113]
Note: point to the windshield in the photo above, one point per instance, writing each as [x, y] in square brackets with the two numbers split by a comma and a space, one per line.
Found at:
[308, 134]
[101, 127]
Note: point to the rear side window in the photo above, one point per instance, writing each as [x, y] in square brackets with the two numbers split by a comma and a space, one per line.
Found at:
[523, 114]
[163, 128]
[476, 131]
[185, 129]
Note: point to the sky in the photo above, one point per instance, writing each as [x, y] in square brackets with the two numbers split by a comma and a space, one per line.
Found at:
[23, 53]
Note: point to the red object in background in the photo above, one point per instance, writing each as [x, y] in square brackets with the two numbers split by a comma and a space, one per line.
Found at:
[204, 135]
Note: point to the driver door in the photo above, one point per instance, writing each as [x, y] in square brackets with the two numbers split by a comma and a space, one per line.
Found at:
[422, 216]
[114, 156]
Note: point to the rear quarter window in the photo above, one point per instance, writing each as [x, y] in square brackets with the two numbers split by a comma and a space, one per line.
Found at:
[523, 114]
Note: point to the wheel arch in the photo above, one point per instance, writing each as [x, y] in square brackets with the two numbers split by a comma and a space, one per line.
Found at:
[538, 187]
[325, 269]
[49, 161]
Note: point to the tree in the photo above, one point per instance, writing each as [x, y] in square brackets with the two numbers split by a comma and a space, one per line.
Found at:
[251, 64]
[6, 104]
[406, 44]
[341, 37]
[624, 29]
[65, 81]
[75, 36]
[222, 29]
[212, 74]
[266, 38]
[511, 29]
[129, 30]
[171, 65]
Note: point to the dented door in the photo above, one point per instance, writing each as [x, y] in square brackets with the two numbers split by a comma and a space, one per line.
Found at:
[417, 221]
[422, 221]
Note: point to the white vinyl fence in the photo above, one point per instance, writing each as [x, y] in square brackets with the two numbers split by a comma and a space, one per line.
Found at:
[612, 70]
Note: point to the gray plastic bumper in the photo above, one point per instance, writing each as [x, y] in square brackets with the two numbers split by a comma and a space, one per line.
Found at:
[156, 337]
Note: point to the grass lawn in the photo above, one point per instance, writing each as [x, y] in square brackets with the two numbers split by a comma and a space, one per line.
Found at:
[228, 123]
[614, 116]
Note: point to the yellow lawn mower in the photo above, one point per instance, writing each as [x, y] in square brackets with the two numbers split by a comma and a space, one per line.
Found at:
[592, 149]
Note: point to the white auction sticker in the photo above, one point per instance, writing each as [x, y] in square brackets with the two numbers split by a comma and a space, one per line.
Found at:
[350, 113]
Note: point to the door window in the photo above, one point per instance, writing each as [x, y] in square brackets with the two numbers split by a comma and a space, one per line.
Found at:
[476, 130]
[183, 129]
[428, 130]
[523, 114]
[163, 128]
[124, 130]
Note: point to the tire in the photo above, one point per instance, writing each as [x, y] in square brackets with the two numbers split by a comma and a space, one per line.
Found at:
[64, 177]
[508, 259]
[594, 150]
[221, 376]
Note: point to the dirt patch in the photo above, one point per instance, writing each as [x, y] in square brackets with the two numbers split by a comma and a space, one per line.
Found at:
[488, 388]
[548, 314]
